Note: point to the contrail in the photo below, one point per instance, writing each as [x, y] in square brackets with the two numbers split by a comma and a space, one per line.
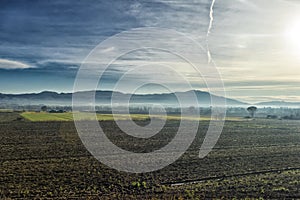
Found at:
[211, 16]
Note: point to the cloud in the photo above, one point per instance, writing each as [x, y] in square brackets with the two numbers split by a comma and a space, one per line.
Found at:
[246, 42]
[10, 64]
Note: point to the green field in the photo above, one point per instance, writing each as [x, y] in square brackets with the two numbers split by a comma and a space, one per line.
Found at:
[6, 110]
[68, 116]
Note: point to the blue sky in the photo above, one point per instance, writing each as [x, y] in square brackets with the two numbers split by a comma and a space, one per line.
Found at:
[42, 43]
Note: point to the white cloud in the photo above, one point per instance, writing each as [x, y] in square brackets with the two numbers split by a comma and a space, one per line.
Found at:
[11, 64]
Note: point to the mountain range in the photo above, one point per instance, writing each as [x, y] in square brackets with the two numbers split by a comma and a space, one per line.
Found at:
[104, 98]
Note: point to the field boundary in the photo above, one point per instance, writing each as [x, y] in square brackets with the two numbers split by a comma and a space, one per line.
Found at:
[189, 182]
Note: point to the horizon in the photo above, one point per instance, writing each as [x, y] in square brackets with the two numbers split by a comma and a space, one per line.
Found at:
[249, 103]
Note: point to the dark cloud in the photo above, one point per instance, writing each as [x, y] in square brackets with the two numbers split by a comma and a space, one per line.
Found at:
[32, 31]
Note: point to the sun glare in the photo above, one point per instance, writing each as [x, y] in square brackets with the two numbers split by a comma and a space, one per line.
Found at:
[293, 35]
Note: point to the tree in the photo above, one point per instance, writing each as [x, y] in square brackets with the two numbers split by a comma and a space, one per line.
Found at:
[252, 110]
[44, 108]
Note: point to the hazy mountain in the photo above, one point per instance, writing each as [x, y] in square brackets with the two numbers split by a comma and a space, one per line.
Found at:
[104, 97]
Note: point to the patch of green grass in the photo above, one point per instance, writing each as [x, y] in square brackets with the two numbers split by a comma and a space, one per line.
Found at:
[42, 116]
[68, 116]
[6, 110]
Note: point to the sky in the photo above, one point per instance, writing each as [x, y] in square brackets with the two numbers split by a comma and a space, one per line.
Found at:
[254, 44]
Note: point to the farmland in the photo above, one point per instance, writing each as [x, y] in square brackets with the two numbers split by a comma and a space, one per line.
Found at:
[68, 116]
[46, 159]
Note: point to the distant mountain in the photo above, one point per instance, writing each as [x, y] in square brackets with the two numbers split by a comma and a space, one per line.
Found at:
[104, 98]
[46, 97]
[279, 104]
